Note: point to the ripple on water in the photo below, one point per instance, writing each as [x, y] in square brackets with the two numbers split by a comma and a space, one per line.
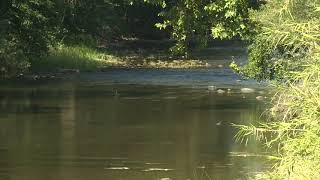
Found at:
[157, 169]
[170, 97]
[131, 98]
[117, 168]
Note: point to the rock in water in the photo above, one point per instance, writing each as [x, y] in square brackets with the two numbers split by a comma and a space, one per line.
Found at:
[247, 90]
[260, 98]
[220, 91]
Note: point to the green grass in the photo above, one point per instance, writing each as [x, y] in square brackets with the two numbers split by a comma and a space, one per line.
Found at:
[74, 57]
[90, 58]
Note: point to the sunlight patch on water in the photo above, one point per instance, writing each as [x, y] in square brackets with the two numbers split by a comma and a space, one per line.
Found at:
[157, 169]
[117, 168]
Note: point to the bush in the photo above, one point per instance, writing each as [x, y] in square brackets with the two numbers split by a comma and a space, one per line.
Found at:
[294, 126]
[286, 48]
[286, 32]
[12, 63]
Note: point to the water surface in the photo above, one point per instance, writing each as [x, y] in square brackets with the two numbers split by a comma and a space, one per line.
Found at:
[138, 124]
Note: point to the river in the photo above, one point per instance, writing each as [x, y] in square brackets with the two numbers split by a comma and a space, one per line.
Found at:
[136, 124]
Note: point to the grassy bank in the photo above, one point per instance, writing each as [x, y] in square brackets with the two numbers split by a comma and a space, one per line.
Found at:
[88, 58]
[74, 57]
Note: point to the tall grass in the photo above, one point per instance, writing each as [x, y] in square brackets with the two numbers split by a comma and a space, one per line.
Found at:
[91, 58]
[74, 57]
[288, 47]
[294, 127]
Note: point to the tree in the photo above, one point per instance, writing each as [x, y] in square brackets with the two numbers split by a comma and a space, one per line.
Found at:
[199, 20]
[28, 29]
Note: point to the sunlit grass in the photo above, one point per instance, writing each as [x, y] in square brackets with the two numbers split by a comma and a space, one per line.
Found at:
[74, 57]
[88, 58]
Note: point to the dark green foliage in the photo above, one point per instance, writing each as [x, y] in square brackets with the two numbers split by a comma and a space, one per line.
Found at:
[286, 33]
[202, 20]
[12, 62]
[111, 19]
[141, 18]
[32, 27]
[4, 7]
[26, 32]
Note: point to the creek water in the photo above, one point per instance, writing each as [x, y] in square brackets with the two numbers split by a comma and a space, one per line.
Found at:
[139, 124]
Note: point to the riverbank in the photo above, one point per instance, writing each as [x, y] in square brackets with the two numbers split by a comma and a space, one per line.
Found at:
[88, 58]
[72, 58]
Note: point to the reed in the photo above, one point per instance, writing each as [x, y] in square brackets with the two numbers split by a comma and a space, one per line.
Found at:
[286, 48]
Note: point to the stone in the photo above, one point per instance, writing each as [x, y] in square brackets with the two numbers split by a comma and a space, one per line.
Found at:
[260, 98]
[247, 90]
[220, 91]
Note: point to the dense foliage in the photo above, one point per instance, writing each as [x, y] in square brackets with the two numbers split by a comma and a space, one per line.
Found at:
[286, 47]
[286, 32]
[30, 28]
[26, 32]
[201, 20]
[108, 19]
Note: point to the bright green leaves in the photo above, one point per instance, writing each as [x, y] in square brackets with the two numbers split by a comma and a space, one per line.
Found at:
[229, 18]
[286, 35]
[163, 25]
[230, 14]
[219, 31]
[192, 21]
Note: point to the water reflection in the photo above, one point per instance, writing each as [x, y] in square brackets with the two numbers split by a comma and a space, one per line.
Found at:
[74, 132]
